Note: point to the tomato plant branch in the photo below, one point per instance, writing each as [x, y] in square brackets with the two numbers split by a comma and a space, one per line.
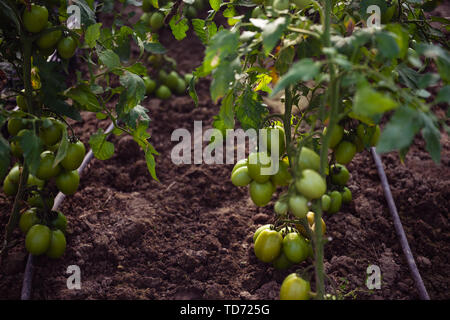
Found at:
[287, 122]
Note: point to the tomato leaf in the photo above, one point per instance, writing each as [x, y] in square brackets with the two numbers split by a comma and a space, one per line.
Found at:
[63, 147]
[303, 70]
[101, 148]
[215, 4]
[179, 27]
[271, 33]
[84, 97]
[432, 136]
[135, 91]
[192, 92]
[109, 58]
[368, 102]
[223, 78]
[151, 163]
[443, 96]
[250, 111]
[387, 45]
[154, 47]
[87, 15]
[225, 119]
[92, 35]
[31, 146]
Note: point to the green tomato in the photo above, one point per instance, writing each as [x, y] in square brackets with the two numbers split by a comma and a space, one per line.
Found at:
[268, 245]
[281, 5]
[261, 193]
[150, 85]
[50, 39]
[35, 19]
[239, 164]
[259, 230]
[336, 135]
[74, 157]
[345, 152]
[325, 202]
[57, 245]
[282, 262]
[46, 170]
[33, 181]
[295, 247]
[37, 240]
[278, 145]
[311, 184]
[171, 81]
[257, 12]
[66, 47]
[283, 176]
[294, 288]
[300, 4]
[162, 75]
[16, 149]
[14, 174]
[15, 125]
[257, 161]
[181, 87]
[240, 177]
[188, 77]
[60, 222]
[346, 195]
[9, 188]
[51, 134]
[156, 21]
[35, 200]
[190, 12]
[298, 205]
[163, 92]
[28, 219]
[308, 159]
[155, 60]
[281, 207]
[67, 182]
[339, 174]
[22, 102]
[375, 136]
[336, 202]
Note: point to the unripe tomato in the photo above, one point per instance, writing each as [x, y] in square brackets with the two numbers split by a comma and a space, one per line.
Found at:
[336, 135]
[281, 207]
[15, 125]
[301, 3]
[294, 288]
[268, 245]
[155, 60]
[311, 184]
[298, 205]
[325, 202]
[375, 136]
[57, 245]
[51, 134]
[336, 202]
[259, 230]
[163, 93]
[22, 102]
[310, 216]
[308, 159]
[35, 200]
[28, 219]
[240, 177]
[14, 174]
[261, 193]
[9, 188]
[345, 152]
[37, 240]
[50, 39]
[239, 164]
[339, 174]
[162, 75]
[181, 87]
[346, 195]
[66, 47]
[16, 149]
[257, 161]
[67, 182]
[281, 5]
[156, 21]
[46, 170]
[171, 81]
[190, 12]
[257, 12]
[283, 176]
[150, 85]
[279, 145]
[188, 77]
[74, 157]
[295, 247]
[33, 181]
[60, 222]
[35, 20]
[282, 262]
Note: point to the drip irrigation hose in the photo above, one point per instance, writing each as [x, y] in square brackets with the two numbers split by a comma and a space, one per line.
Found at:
[29, 269]
[423, 294]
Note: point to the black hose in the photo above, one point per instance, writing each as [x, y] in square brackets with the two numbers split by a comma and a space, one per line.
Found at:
[423, 294]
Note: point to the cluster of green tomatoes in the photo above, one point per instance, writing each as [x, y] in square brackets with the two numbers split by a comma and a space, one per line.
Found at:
[44, 228]
[36, 20]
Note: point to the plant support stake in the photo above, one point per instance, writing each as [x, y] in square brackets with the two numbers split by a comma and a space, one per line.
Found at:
[29, 269]
[423, 294]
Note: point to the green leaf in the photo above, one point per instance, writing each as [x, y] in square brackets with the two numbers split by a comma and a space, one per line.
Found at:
[223, 78]
[400, 130]
[250, 111]
[368, 102]
[387, 45]
[192, 92]
[31, 146]
[154, 47]
[224, 43]
[155, 3]
[443, 96]
[137, 68]
[215, 4]
[151, 163]
[110, 59]
[9, 13]
[137, 114]
[271, 33]
[432, 136]
[303, 70]
[101, 148]
[92, 34]
[135, 90]
[63, 147]
[225, 119]
[5, 157]
[200, 30]
[87, 15]
[179, 26]
[401, 38]
[84, 97]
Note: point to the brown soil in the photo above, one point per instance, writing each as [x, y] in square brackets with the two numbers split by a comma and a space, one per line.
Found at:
[189, 236]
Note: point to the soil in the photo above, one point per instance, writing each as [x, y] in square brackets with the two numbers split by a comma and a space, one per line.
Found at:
[189, 236]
